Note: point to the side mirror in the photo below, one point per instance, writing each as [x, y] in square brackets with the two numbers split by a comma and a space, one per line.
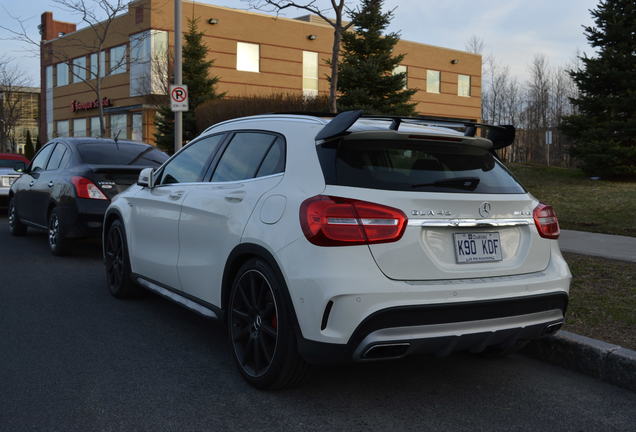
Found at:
[145, 177]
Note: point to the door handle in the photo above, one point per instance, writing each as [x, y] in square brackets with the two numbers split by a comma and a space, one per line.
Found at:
[51, 184]
[175, 195]
[235, 196]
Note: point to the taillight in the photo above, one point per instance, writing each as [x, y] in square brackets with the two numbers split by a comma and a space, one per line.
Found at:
[335, 221]
[87, 189]
[545, 219]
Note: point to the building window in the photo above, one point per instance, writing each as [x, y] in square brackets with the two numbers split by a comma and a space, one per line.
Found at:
[102, 64]
[62, 128]
[117, 60]
[62, 74]
[463, 85]
[137, 127]
[310, 74]
[402, 69]
[432, 81]
[118, 125]
[247, 57]
[79, 127]
[148, 62]
[95, 131]
[79, 69]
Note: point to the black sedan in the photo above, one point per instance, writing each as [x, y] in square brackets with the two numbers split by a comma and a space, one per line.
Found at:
[69, 184]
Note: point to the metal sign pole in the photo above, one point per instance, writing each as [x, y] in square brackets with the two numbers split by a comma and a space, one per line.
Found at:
[178, 79]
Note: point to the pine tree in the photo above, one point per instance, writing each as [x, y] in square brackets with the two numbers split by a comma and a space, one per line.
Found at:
[29, 149]
[366, 72]
[38, 144]
[196, 75]
[604, 130]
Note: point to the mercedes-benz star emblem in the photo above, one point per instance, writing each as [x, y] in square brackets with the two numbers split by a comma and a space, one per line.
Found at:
[484, 209]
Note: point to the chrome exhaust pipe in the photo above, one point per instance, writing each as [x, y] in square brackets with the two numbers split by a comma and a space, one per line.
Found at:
[386, 351]
[552, 328]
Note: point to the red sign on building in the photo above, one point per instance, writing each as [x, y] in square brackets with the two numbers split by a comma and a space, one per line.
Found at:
[85, 106]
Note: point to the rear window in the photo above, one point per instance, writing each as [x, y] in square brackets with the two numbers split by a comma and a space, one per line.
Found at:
[415, 166]
[12, 163]
[122, 153]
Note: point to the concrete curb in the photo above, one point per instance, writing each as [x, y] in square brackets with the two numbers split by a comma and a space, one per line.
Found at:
[611, 363]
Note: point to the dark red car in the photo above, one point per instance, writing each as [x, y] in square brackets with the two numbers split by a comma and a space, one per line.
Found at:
[9, 165]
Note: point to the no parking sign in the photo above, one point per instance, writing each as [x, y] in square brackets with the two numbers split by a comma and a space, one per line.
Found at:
[179, 97]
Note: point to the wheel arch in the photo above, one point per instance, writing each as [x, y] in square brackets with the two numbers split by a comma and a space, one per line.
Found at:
[240, 255]
[110, 216]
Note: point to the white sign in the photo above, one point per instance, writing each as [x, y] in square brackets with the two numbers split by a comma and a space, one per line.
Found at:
[179, 97]
[548, 137]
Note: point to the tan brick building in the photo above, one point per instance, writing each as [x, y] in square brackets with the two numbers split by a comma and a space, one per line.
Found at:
[24, 102]
[253, 53]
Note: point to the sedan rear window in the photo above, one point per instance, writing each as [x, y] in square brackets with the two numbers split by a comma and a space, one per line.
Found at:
[122, 153]
[415, 166]
[12, 163]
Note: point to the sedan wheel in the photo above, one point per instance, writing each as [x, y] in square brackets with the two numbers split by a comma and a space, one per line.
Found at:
[16, 227]
[58, 243]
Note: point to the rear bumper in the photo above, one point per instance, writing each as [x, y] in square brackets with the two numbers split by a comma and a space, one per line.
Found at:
[84, 217]
[444, 328]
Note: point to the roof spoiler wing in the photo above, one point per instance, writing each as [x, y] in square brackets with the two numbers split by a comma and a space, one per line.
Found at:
[500, 136]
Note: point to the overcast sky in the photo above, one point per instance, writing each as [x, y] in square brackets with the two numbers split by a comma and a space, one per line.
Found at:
[512, 30]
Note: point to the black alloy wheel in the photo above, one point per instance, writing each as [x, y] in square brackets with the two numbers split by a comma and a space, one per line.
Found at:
[58, 243]
[261, 328]
[16, 228]
[118, 274]
[254, 323]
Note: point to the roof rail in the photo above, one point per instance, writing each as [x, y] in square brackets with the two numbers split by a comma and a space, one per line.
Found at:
[501, 136]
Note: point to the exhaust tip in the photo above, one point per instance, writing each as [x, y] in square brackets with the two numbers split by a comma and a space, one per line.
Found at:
[552, 328]
[386, 351]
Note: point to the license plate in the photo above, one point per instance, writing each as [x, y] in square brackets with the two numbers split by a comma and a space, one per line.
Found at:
[7, 181]
[477, 247]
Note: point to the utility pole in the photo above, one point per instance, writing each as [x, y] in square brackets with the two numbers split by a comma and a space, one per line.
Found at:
[178, 78]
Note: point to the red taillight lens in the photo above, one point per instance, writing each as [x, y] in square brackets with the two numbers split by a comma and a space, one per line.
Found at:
[335, 221]
[87, 189]
[545, 219]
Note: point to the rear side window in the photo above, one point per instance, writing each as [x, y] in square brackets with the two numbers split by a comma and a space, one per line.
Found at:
[249, 155]
[122, 153]
[56, 157]
[415, 166]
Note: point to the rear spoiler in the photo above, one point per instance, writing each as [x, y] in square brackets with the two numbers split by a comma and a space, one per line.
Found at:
[500, 136]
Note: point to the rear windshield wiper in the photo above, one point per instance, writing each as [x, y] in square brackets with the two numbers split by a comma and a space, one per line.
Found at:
[469, 183]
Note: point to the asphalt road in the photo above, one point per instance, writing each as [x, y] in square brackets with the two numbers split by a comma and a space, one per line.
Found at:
[72, 358]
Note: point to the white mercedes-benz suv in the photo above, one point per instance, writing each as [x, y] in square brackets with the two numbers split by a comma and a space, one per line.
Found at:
[352, 238]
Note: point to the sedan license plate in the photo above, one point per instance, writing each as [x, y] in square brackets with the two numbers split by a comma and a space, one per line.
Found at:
[7, 181]
[477, 247]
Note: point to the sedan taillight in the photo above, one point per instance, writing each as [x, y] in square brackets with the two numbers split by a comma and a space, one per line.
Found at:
[545, 219]
[87, 189]
[335, 221]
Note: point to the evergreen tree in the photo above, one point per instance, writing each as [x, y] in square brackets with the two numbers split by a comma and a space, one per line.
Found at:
[366, 72]
[38, 144]
[196, 75]
[604, 130]
[29, 149]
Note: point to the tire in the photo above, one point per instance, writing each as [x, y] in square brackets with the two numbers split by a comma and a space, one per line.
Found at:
[16, 228]
[261, 329]
[59, 244]
[117, 263]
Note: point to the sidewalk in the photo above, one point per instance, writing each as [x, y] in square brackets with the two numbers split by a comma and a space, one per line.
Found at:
[602, 245]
